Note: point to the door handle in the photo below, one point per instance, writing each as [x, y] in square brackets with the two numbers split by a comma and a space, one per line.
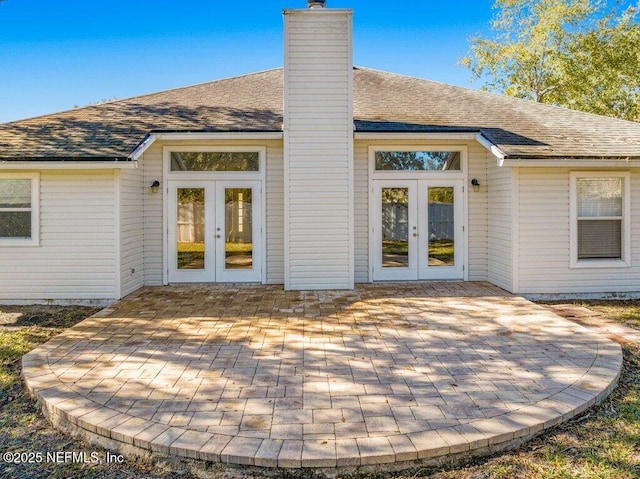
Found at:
[415, 235]
[218, 236]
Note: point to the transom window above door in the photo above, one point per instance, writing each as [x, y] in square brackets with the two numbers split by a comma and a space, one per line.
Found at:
[215, 161]
[205, 162]
[420, 161]
[417, 161]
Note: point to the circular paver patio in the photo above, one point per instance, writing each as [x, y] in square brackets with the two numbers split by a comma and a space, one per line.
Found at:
[258, 376]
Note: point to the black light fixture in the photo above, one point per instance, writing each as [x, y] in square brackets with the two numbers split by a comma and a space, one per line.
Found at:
[154, 186]
[476, 185]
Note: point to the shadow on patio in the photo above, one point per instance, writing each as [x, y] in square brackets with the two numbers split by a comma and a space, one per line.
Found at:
[385, 373]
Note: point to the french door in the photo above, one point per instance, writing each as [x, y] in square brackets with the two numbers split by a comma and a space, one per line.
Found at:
[417, 229]
[215, 231]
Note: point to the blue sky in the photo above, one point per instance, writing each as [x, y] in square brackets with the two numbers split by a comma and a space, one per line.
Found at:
[58, 54]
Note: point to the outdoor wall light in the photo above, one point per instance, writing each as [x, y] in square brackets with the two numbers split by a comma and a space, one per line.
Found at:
[476, 185]
[154, 186]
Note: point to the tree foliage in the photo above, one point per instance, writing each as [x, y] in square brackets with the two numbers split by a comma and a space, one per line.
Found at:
[215, 161]
[417, 160]
[601, 69]
[571, 53]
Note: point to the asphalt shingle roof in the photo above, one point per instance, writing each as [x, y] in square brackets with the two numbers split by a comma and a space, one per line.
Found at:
[383, 102]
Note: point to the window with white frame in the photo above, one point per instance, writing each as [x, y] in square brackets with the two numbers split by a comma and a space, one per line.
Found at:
[215, 161]
[600, 218]
[18, 209]
[417, 160]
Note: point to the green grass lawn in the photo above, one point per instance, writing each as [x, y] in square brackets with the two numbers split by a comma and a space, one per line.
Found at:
[601, 444]
[627, 312]
[191, 255]
[440, 250]
[395, 247]
[230, 247]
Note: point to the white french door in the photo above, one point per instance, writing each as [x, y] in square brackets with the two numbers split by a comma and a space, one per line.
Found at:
[215, 231]
[417, 229]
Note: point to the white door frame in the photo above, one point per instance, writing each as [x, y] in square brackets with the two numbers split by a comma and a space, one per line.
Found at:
[208, 176]
[389, 176]
[215, 253]
[418, 232]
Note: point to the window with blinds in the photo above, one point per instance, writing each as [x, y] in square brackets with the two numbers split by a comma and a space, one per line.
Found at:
[600, 217]
[19, 194]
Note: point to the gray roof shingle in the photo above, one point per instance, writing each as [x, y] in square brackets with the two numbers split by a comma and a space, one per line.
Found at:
[383, 102]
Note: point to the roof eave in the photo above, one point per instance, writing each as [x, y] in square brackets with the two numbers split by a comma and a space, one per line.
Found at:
[572, 161]
[492, 148]
[414, 135]
[55, 163]
[176, 135]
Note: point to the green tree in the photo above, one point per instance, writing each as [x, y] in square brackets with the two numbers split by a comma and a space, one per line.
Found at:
[563, 52]
[600, 71]
[417, 160]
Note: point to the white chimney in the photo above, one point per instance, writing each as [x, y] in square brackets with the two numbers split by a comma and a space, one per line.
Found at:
[318, 148]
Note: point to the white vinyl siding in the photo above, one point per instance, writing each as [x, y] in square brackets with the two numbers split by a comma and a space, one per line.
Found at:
[132, 191]
[500, 225]
[361, 211]
[544, 238]
[318, 150]
[151, 165]
[76, 258]
[274, 221]
[478, 212]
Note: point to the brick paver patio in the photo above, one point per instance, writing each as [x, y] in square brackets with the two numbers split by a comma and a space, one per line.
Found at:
[258, 376]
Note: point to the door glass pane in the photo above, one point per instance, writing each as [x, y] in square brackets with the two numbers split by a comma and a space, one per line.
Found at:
[441, 226]
[190, 228]
[395, 227]
[238, 228]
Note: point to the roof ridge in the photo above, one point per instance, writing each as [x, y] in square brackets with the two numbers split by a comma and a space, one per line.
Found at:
[403, 75]
[160, 92]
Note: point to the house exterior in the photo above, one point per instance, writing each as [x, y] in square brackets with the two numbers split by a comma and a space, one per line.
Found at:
[318, 176]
